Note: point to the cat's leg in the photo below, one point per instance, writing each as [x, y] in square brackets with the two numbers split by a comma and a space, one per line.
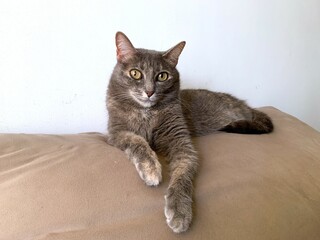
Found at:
[140, 154]
[173, 140]
[178, 200]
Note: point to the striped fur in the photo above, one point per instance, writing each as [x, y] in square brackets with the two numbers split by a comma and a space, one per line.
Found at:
[207, 112]
[148, 116]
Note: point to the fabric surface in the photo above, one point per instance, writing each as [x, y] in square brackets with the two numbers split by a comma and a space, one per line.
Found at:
[79, 187]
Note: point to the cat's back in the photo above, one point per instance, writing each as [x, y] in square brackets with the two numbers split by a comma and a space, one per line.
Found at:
[206, 111]
[200, 96]
[202, 100]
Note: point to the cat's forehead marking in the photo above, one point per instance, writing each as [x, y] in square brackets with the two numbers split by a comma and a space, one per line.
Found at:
[150, 59]
[149, 66]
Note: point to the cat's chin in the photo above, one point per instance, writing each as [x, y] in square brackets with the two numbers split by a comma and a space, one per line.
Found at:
[146, 103]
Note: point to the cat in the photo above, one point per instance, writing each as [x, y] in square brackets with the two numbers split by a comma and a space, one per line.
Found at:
[149, 113]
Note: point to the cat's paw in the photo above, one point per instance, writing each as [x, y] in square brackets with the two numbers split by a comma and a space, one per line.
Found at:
[150, 171]
[178, 212]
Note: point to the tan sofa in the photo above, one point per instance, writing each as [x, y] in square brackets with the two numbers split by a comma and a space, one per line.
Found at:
[78, 187]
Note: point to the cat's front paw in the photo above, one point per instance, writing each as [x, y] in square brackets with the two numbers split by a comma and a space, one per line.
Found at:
[150, 171]
[178, 211]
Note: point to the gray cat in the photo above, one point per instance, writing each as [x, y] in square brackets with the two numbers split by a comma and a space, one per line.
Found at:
[149, 113]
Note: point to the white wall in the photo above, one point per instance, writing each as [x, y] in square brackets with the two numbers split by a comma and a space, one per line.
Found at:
[56, 56]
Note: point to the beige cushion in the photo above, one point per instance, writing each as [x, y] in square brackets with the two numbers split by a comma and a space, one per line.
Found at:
[78, 187]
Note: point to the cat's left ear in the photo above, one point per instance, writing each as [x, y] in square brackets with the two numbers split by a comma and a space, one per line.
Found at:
[125, 49]
[172, 55]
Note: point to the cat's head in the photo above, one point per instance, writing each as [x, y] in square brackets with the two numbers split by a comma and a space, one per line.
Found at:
[145, 77]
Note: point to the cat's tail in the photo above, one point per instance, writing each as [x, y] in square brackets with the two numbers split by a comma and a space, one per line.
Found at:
[259, 124]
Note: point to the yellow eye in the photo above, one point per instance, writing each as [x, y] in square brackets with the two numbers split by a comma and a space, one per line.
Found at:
[135, 74]
[162, 76]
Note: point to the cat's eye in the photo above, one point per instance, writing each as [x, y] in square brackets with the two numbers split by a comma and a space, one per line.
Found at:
[162, 76]
[135, 74]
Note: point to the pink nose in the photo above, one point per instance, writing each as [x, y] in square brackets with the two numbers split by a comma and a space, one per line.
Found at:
[149, 93]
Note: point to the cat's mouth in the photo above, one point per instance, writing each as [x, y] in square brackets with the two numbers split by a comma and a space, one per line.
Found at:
[144, 101]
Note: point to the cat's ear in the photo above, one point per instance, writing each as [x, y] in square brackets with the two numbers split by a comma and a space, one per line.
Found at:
[172, 55]
[125, 49]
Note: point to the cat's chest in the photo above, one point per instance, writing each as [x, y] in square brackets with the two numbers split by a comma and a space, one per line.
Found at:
[143, 122]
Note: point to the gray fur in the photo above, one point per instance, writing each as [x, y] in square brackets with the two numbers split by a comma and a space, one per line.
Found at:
[164, 123]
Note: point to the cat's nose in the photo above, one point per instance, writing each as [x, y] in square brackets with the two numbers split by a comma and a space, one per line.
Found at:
[149, 93]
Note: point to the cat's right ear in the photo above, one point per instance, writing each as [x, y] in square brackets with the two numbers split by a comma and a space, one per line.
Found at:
[172, 55]
[125, 49]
